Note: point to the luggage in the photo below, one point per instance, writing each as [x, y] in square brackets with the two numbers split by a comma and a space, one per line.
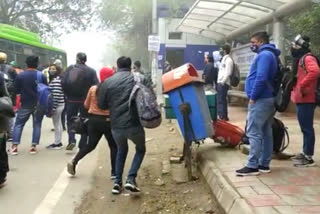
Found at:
[227, 133]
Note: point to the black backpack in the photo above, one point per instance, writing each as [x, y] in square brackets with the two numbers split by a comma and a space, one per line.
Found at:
[235, 75]
[280, 136]
[284, 82]
[75, 83]
[303, 65]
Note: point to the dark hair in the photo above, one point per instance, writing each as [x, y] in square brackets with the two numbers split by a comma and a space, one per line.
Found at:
[124, 62]
[263, 36]
[210, 59]
[32, 61]
[59, 70]
[226, 48]
[137, 64]
[81, 58]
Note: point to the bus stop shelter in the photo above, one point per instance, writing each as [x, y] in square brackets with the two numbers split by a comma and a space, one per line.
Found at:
[225, 20]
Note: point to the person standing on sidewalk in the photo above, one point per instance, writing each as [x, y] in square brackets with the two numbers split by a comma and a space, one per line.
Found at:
[305, 65]
[210, 73]
[259, 88]
[26, 86]
[125, 124]
[224, 74]
[98, 125]
[58, 105]
[76, 82]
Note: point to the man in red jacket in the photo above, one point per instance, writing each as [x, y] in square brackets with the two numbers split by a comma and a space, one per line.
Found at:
[305, 65]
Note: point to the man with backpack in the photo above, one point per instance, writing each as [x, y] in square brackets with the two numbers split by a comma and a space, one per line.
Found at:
[225, 71]
[259, 87]
[26, 85]
[306, 67]
[114, 95]
[76, 82]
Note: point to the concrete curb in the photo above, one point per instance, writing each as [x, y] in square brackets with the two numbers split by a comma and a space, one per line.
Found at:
[227, 197]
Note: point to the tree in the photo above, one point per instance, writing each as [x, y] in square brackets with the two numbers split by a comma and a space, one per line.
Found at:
[132, 20]
[47, 17]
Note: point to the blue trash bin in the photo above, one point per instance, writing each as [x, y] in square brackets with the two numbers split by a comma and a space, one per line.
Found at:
[189, 90]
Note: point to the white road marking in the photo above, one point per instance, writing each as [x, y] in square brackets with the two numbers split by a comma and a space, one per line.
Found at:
[51, 199]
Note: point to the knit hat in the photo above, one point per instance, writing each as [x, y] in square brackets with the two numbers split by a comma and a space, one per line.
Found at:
[105, 73]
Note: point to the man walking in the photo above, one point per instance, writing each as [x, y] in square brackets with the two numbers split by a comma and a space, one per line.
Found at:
[26, 86]
[225, 71]
[76, 82]
[125, 124]
[305, 65]
[259, 87]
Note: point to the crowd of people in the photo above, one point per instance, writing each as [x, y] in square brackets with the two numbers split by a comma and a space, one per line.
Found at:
[260, 88]
[75, 91]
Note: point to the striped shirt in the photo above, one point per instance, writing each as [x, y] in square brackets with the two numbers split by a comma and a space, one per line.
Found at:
[57, 93]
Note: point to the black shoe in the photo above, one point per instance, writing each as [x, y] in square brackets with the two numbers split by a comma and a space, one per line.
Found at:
[298, 157]
[304, 162]
[55, 146]
[264, 169]
[71, 167]
[70, 146]
[246, 171]
[117, 188]
[132, 187]
[3, 182]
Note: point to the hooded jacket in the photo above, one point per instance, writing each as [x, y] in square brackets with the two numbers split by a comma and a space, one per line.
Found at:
[260, 81]
[307, 80]
[114, 95]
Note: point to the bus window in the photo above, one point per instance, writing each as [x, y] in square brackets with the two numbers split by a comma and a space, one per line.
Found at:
[18, 48]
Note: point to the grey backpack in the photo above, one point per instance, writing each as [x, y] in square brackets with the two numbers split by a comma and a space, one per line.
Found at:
[146, 102]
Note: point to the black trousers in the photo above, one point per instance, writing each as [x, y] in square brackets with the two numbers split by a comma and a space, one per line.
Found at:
[4, 164]
[98, 126]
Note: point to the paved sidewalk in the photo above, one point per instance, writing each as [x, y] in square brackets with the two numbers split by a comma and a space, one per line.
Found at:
[286, 190]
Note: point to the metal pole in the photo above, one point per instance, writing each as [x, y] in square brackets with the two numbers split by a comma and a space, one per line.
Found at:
[279, 36]
[155, 70]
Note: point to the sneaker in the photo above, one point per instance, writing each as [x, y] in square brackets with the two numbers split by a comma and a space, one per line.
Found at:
[14, 149]
[298, 157]
[264, 169]
[71, 168]
[113, 177]
[117, 188]
[70, 146]
[2, 182]
[33, 149]
[9, 139]
[305, 162]
[55, 146]
[132, 187]
[246, 171]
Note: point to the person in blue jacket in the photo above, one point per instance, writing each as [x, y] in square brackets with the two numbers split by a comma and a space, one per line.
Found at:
[259, 87]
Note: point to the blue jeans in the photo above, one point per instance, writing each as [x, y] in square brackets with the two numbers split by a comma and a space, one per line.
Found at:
[21, 119]
[259, 132]
[121, 136]
[305, 114]
[222, 101]
[73, 109]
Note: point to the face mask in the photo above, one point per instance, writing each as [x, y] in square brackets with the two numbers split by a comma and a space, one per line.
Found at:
[52, 72]
[254, 48]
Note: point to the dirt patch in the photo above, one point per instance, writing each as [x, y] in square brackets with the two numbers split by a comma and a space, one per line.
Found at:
[162, 192]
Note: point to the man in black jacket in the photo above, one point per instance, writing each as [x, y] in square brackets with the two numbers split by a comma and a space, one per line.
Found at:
[125, 124]
[76, 82]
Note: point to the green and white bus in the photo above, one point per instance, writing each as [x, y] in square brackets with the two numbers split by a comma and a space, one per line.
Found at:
[18, 44]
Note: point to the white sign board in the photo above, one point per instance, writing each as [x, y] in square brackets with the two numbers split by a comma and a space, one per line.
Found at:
[154, 43]
[243, 57]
